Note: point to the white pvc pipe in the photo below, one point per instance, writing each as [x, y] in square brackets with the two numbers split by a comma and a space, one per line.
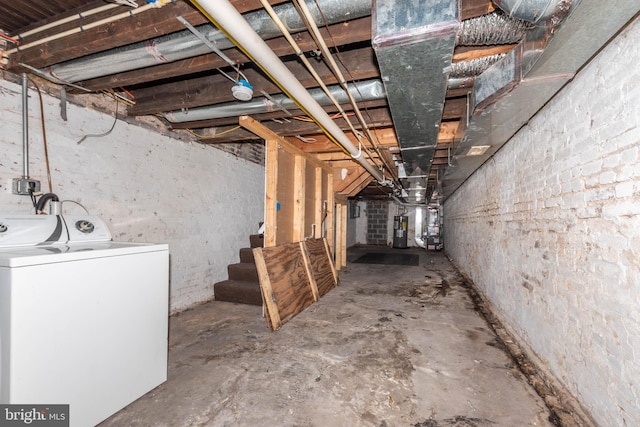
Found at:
[229, 20]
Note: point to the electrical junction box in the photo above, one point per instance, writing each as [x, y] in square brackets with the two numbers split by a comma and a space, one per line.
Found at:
[25, 186]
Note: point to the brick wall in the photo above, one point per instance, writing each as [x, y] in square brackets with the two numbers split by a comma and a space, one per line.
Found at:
[251, 151]
[148, 187]
[549, 230]
[377, 218]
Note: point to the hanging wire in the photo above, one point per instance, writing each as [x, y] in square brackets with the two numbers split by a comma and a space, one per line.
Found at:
[77, 203]
[100, 135]
[211, 46]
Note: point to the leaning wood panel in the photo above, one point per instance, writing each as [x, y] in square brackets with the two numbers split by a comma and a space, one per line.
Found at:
[321, 265]
[286, 287]
[271, 309]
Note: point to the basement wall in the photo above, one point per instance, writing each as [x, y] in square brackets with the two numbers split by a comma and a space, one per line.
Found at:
[148, 187]
[357, 227]
[549, 231]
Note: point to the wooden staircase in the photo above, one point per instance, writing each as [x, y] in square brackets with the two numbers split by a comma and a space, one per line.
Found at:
[243, 285]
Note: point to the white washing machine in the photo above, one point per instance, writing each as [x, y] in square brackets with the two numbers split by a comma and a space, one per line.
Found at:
[83, 319]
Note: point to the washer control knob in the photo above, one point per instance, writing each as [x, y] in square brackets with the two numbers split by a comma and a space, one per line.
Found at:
[85, 226]
[3, 228]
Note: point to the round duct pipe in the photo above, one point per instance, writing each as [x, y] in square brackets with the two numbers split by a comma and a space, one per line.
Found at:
[369, 90]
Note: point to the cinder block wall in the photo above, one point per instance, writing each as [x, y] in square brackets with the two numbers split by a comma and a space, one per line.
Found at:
[549, 230]
[148, 187]
[377, 218]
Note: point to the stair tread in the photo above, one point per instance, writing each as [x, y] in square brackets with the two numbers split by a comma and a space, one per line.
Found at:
[240, 291]
[243, 271]
[243, 283]
[246, 255]
[244, 266]
[256, 240]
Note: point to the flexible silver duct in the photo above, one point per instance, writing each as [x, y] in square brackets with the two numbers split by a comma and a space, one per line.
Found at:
[184, 44]
[529, 10]
[490, 29]
[369, 90]
[473, 67]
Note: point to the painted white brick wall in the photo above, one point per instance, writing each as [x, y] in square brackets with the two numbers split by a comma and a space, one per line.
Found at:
[148, 188]
[549, 230]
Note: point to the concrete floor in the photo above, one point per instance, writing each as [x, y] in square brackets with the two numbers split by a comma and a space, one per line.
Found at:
[391, 346]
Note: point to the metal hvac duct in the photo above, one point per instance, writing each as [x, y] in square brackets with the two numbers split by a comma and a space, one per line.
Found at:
[369, 90]
[511, 91]
[184, 44]
[530, 10]
[414, 46]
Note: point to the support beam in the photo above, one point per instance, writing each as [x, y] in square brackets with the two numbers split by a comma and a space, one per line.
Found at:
[267, 134]
[318, 200]
[299, 199]
[271, 188]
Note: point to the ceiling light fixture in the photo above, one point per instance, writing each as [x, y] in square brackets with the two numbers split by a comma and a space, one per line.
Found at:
[242, 90]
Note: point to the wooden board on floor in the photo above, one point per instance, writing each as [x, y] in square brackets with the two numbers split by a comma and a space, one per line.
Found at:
[287, 287]
[322, 267]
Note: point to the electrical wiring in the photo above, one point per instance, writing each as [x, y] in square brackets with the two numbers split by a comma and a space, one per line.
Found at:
[100, 135]
[11, 39]
[197, 135]
[128, 93]
[119, 97]
[77, 203]
[211, 46]
[333, 117]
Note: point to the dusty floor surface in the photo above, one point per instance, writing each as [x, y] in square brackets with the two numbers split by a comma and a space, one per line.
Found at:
[391, 346]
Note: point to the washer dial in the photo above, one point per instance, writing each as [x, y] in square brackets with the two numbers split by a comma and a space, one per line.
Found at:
[85, 226]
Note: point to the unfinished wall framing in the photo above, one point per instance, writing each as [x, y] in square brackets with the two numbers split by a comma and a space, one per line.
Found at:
[298, 191]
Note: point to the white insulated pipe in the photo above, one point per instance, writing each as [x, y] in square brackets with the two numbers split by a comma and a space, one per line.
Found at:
[224, 16]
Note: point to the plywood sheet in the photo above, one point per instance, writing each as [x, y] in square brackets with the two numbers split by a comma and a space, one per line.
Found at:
[321, 266]
[287, 287]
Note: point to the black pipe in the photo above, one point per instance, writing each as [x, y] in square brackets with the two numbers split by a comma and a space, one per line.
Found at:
[44, 199]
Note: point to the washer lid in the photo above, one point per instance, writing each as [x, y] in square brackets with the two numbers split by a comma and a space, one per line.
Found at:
[31, 230]
[39, 255]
